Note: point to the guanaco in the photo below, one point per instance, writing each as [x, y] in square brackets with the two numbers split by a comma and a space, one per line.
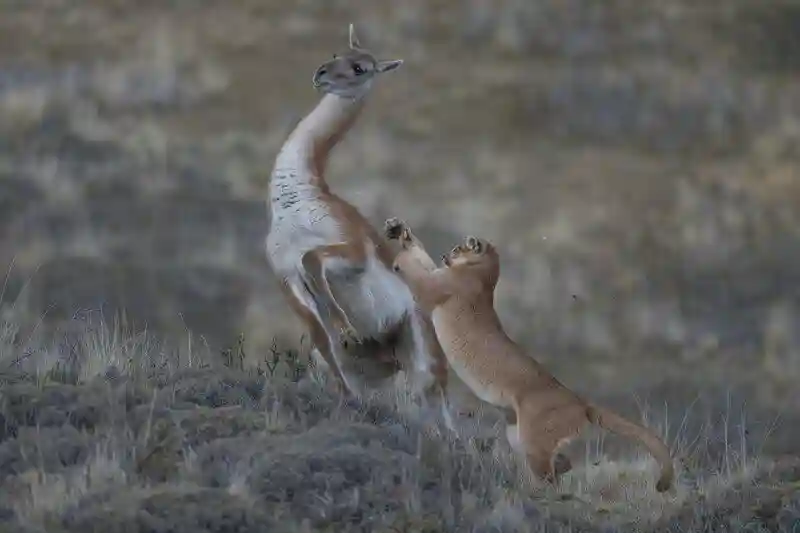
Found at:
[333, 266]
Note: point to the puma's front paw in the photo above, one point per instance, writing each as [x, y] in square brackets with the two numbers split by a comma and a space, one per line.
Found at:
[393, 227]
[396, 229]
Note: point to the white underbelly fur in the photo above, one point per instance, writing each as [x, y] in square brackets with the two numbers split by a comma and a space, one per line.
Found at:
[373, 298]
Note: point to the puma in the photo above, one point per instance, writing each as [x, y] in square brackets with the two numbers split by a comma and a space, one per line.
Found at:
[542, 414]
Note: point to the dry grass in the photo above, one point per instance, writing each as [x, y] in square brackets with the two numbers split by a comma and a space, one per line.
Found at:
[635, 162]
[109, 430]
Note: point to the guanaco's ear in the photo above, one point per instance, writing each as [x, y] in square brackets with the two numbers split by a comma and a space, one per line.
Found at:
[386, 66]
[353, 37]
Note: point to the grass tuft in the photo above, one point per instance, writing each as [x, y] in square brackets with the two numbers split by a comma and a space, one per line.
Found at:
[118, 433]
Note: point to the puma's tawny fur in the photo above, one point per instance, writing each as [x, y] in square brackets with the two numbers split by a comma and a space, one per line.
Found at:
[542, 413]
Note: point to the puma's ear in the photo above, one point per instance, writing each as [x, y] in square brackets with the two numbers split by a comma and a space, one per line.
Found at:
[474, 244]
[353, 38]
[389, 64]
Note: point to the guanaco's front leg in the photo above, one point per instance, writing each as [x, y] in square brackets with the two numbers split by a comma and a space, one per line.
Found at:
[315, 264]
[431, 285]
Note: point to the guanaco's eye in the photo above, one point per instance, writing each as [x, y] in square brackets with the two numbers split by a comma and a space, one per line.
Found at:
[358, 70]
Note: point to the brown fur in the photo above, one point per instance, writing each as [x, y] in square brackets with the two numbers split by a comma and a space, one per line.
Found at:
[546, 414]
[300, 193]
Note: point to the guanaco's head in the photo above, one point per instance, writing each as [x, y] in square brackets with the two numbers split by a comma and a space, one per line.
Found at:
[475, 255]
[350, 75]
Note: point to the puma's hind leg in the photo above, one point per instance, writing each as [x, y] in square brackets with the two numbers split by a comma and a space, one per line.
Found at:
[548, 464]
[540, 461]
[561, 464]
[543, 434]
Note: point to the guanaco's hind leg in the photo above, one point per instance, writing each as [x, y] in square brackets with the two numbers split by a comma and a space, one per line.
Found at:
[315, 264]
[317, 333]
[437, 391]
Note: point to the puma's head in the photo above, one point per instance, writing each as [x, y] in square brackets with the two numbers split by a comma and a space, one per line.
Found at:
[350, 75]
[478, 255]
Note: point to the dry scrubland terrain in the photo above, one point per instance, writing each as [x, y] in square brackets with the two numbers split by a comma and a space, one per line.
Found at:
[112, 432]
[635, 162]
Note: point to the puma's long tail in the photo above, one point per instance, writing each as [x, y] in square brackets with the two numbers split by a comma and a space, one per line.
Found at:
[611, 421]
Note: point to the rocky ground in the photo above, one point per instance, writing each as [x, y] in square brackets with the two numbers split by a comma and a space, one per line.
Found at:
[634, 161]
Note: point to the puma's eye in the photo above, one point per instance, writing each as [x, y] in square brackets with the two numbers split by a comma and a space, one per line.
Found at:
[358, 70]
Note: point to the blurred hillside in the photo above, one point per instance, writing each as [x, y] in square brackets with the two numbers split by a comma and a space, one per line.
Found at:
[634, 161]
[124, 436]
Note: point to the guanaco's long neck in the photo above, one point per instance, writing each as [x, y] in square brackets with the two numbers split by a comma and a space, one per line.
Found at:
[304, 156]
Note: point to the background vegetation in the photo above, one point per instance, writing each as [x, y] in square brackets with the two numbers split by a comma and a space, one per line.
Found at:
[634, 161]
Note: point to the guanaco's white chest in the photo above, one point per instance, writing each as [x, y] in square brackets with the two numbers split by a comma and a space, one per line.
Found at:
[372, 295]
[300, 221]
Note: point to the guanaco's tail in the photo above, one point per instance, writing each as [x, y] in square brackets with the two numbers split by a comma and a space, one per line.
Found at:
[611, 421]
